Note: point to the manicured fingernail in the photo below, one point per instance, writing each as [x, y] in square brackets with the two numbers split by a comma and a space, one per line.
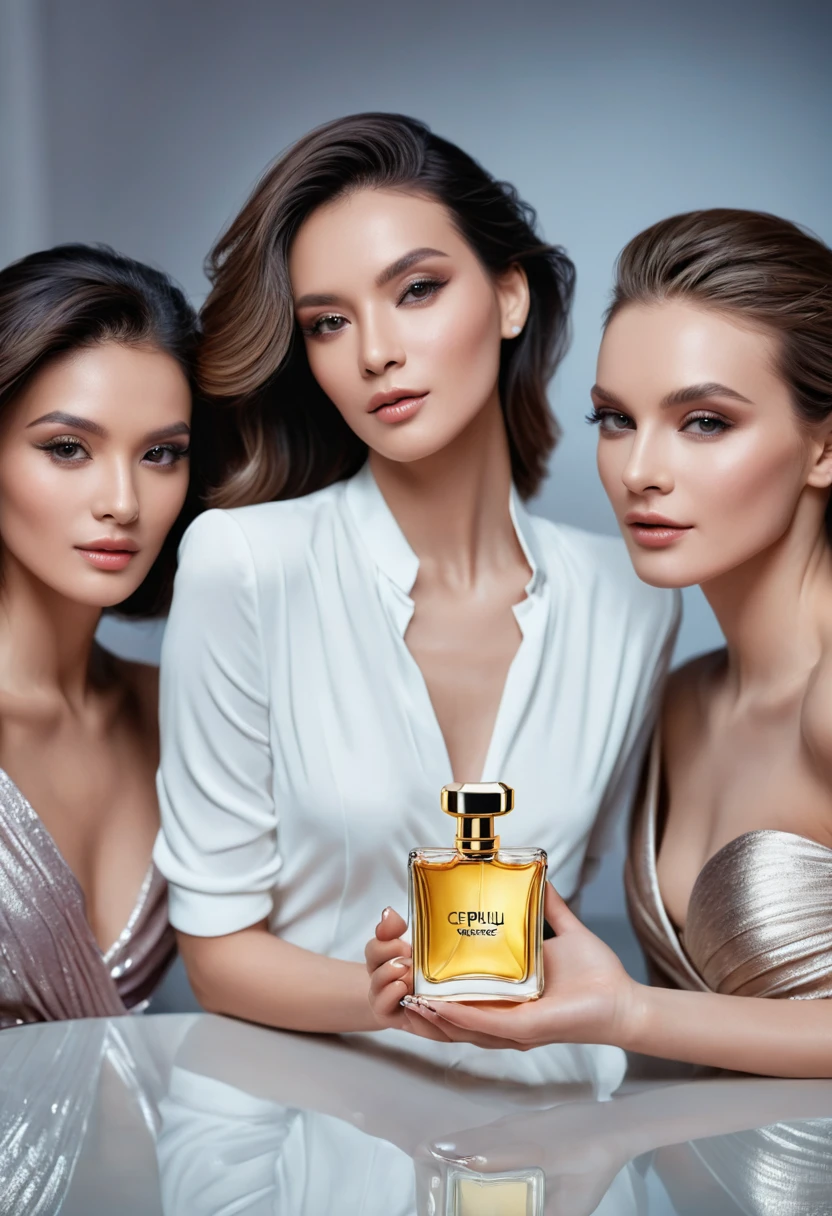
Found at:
[385, 913]
[401, 963]
[409, 1002]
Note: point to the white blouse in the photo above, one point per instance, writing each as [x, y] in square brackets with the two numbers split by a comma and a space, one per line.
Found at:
[301, 755]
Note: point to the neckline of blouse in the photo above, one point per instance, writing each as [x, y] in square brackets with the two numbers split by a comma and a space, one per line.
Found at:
[388, 545]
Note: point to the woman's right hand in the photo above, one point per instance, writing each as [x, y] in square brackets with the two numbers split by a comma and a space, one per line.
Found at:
[389, 964]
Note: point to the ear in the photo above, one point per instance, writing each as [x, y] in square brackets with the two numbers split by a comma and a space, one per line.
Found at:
[513, 298]
[820, 473]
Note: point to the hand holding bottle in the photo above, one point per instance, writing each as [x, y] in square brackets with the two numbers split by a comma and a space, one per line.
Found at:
[389, 959]
[391, 981]
[588, 997]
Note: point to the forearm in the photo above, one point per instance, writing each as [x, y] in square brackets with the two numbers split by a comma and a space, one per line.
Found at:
[257, 976]
[672, 1114]
[775, 1038]
[351, 1080]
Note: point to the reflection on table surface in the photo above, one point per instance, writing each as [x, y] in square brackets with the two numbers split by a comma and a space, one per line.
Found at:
[193, 1115]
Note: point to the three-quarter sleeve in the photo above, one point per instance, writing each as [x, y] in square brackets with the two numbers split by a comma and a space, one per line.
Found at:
[217, 845]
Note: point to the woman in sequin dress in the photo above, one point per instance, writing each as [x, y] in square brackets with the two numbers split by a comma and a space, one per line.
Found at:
[95, 417]
[714, 406]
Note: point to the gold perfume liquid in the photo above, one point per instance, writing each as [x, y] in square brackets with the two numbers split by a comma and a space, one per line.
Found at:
[477, 909]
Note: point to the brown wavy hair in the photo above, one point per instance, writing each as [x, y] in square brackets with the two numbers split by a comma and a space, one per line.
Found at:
[288, 438]
[766, 271]
[74, 296]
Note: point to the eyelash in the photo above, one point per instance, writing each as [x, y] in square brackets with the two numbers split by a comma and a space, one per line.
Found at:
[52, 446]
[434, 285]
[597, 416]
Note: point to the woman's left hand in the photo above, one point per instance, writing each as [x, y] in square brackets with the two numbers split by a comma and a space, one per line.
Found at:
[588, 997]
[389, 960]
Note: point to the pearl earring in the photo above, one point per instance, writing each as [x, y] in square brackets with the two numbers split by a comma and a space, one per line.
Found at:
[515, 329]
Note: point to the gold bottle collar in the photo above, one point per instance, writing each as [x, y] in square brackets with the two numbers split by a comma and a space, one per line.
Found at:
[475, 806]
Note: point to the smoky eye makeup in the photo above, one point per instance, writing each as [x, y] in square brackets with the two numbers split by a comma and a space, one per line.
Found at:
[710, 424]
[68, 450]
[703, 424]
[166, 455]
[64, 449]
[422, 289]
[329, 323]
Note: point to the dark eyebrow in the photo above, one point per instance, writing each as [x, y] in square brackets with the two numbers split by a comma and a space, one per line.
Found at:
[698, 392]
[71, 421]
[404, 263]
[325, 300]
[606, 396]
[168, 432]
[317, 301]
[680, 396]
[75, 423]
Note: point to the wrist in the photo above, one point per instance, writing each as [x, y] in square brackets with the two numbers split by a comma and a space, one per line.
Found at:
[633, 1017]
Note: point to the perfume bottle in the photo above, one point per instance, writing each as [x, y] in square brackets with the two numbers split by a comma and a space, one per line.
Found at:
[448, 1186]
[513, 1193]
[477, 910]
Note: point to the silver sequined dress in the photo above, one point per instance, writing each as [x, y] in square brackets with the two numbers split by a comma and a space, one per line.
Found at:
[51, 966]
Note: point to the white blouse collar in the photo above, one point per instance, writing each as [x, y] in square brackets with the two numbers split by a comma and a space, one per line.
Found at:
[388, 545]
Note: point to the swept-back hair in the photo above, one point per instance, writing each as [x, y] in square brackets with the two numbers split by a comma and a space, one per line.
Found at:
[75, 296]
[291, 438]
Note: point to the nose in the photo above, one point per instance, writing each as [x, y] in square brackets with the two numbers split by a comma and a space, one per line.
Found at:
[380, 345]
[647, 467]
[116, 498]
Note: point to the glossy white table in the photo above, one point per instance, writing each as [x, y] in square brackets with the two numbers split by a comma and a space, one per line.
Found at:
[191, 1115]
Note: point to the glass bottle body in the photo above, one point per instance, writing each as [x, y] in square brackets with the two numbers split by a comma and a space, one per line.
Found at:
[446, 1187]
[519, 1192]
[477, 924]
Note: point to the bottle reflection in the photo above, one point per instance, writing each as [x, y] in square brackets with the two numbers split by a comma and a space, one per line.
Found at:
[206, 1116]
[317, 1125]
[307, 1125]
[454, 1191]
[679, 1150]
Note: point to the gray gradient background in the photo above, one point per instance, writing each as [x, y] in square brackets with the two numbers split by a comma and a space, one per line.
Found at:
[146, 124]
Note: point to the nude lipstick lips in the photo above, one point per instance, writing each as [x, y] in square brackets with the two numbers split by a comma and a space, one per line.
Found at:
[654, 531]
[108, 553]
[396, 405]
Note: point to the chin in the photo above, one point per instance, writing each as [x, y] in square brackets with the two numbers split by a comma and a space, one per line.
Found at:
[109, 593]
[405, 448]
[102, 599]
[665, 570]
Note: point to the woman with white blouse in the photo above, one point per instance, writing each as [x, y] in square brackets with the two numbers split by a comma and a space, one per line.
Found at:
[372, 612]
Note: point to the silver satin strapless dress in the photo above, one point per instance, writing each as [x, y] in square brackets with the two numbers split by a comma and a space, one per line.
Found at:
[759, 920]
[51, 966]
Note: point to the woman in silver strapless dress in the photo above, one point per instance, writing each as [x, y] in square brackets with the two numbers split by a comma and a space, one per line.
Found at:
[96, 355]
[714, 408]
